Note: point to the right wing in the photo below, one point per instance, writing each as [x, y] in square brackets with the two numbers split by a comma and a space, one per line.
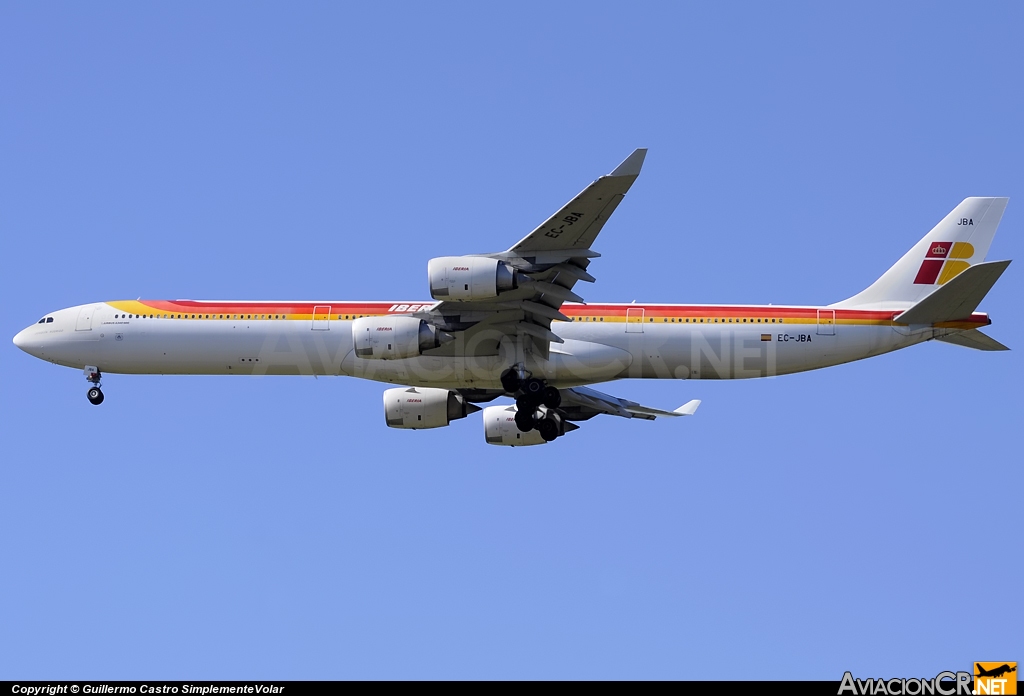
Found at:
[577, 224]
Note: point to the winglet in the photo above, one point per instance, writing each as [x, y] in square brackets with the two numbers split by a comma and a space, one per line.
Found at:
[632, 164]
[688, 409]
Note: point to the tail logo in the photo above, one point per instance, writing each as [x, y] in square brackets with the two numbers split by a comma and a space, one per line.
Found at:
[943, 262]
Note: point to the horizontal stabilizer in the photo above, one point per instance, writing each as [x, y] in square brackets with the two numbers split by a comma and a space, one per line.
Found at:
[973, 339]
[958, 298]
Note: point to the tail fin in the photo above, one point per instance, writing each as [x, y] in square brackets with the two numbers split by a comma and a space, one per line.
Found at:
[961, 240]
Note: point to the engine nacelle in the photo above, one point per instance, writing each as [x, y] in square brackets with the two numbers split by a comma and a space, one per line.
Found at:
[463, 278]
[424, 407]
[395, 337]
[500, 428]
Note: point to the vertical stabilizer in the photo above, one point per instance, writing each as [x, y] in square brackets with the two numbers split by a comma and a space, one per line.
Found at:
[960, 241]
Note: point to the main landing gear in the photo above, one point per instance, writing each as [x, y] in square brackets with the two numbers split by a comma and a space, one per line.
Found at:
[93, 376]
[536, 404]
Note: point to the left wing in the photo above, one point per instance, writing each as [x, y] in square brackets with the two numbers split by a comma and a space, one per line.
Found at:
[582, 403]
[549, 262]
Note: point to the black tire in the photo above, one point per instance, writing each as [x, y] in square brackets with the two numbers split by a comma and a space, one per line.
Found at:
[510, 381]
[526, 403]
[551, 397]
[534, 387]
[524, 421]
[548, 429]
[95, 396]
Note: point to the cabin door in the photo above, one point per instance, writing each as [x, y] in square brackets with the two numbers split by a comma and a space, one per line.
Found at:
[635, 320]
[322, 318]
[826, 322]
[85, 315]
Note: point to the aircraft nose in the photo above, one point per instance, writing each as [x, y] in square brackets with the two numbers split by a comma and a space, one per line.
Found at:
[27, 341]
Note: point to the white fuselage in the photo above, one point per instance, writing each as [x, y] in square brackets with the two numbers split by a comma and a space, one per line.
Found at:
[601, 343]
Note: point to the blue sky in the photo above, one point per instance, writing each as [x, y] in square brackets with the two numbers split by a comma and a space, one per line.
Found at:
[859, 518]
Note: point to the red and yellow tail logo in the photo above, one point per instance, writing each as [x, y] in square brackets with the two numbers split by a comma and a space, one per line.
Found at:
[995, 678]
[943, 262]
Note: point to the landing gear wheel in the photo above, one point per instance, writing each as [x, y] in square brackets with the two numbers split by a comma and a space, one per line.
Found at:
[95, 396]
[551, 397]
[526, 404]
[548, 429]
[524, 421]
[533, 388]
[510, 381]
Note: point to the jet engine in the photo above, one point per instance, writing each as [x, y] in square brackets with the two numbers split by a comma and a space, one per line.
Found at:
[395, 337]
[424, 407]
[500, 428]
[469, 278]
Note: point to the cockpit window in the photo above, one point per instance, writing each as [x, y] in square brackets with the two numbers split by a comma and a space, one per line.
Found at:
[45, 320]
[49, 320]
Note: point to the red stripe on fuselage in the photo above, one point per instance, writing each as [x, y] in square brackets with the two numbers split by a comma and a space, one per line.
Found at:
[569, 309]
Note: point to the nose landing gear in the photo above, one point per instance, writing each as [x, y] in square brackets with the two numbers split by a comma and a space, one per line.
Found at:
[93, 376]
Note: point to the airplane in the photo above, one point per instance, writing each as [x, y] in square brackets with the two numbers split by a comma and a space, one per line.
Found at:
[511, 324]
[994, 672]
